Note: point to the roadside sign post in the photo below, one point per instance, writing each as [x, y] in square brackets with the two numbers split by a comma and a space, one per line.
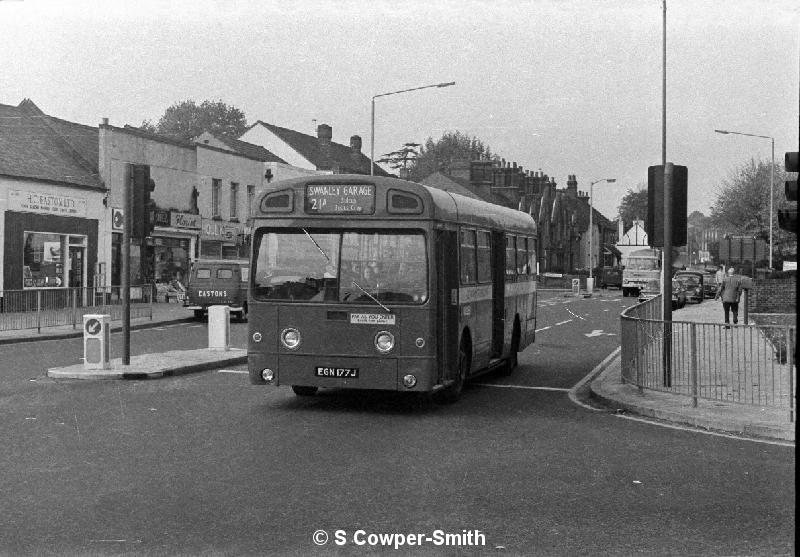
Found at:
[96, 341]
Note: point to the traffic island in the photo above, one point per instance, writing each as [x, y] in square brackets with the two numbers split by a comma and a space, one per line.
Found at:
[153, 366]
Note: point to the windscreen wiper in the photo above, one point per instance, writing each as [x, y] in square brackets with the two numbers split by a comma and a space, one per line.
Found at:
[322, 251]
[373, 298]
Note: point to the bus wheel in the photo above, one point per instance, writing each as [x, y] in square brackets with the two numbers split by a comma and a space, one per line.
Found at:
[198, 314]
[511, 361]
[452, 393]
[304, 390]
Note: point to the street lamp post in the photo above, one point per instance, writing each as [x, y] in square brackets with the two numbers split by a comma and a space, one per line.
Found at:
[771, 180]
[591, 226]
[372, 127]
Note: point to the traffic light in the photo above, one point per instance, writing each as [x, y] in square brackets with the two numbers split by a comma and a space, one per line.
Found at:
[787, 218]
[655, 205]
[143, 207]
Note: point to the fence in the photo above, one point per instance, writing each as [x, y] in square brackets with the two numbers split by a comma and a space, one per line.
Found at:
[738, 363]
[53, 307]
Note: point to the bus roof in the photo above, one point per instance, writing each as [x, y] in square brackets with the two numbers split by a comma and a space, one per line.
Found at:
[437, 204]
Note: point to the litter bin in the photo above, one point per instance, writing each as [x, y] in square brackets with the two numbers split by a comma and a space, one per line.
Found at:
[96, 341]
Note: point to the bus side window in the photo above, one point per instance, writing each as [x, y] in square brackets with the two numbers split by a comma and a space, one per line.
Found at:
[468, 263]
[511, 260]
[484, 257]
[522, 256]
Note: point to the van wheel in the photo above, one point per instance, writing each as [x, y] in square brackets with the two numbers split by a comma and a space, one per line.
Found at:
[198, 314]
[304, 390]
[452, 393]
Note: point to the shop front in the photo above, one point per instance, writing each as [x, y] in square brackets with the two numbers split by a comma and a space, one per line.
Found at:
[224, 240]
[170, 250]
[43, 248]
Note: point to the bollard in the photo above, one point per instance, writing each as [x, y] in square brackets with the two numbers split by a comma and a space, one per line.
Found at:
[96, 341]
[219, 327]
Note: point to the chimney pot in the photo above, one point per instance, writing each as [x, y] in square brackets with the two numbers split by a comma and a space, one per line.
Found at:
[105, 121]
[324, 132]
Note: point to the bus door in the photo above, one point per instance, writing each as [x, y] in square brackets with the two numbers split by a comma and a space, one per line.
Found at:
[498, 292]
[446, 267]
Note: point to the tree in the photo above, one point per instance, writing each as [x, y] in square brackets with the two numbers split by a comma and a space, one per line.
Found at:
[634, 206]
[187, 120]
[399, 159]
[438, 155]
[742, 204]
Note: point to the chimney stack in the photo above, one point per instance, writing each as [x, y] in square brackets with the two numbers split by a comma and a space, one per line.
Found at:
[572, 186]
[355, 144]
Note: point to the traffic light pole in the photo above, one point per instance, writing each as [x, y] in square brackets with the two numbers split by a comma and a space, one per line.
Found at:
[667, 273]
[127, 209]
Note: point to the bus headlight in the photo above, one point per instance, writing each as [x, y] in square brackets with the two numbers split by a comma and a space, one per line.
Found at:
[267, 375]
[384, 341]
[409, 381]
[256, 337]
[290, 338]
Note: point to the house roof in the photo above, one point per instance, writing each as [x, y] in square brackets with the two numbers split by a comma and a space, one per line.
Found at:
[309, 147]
[250, 150]
[444, 182]
[36, 146]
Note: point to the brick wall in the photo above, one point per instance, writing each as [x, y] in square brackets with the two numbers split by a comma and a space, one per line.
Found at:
[773, 296]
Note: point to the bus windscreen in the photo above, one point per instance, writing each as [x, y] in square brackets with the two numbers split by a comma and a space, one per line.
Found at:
[340, 266]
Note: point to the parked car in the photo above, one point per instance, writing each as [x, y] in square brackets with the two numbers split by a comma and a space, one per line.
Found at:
[709, 285]
[693, 285]
[651, 289]
[678, 294]
[214, 282]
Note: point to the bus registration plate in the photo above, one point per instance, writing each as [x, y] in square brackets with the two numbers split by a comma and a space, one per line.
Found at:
[341, 372]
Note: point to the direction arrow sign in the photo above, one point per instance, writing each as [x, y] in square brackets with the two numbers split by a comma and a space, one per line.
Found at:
[93, 326]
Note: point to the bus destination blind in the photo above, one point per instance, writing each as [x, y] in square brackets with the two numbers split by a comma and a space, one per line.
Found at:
[340, 199]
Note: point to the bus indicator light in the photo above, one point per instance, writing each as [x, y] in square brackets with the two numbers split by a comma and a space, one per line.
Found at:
[267, 375]
[256, 337]
[420, 342]
[409, 381]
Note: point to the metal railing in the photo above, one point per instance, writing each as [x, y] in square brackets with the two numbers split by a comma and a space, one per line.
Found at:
[54, 307]
[745, 364]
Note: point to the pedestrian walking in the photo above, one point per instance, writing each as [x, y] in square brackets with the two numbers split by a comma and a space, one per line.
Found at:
[730, 290]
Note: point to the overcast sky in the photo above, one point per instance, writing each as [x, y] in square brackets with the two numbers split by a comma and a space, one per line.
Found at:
[565, 86]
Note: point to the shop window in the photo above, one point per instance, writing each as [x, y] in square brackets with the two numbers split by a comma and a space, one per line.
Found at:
[216, 186]
[44, 256]
[234, 199]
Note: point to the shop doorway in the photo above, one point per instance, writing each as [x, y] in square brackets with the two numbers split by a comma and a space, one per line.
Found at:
[76, 277]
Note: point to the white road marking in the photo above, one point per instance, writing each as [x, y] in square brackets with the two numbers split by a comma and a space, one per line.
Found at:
[599, 333]
[562, 322]
[573, 315]
[542, 329]
[558, 389]
[706, 432]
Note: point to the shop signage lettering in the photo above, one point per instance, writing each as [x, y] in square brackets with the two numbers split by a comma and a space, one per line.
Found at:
[184, 220]
[47, 203]
[217, 230]
[161, 217]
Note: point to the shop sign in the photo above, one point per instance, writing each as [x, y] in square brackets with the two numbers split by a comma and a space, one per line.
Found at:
[47, 203]
[184, 220]
[160, 217]
[218, 230]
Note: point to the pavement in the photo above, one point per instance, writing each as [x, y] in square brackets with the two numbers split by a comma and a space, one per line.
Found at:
[606, 385]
